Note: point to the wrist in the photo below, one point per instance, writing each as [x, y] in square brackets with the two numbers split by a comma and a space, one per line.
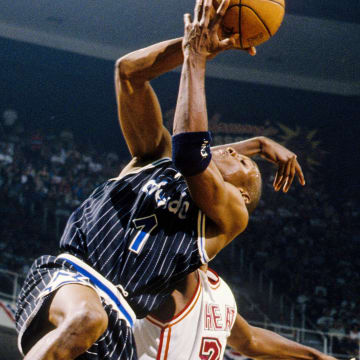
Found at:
[195, 59]
[262, 141]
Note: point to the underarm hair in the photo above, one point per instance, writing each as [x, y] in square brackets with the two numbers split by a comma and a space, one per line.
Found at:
[191, 152]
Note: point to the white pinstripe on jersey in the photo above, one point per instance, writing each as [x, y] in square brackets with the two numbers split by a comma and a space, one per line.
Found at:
[102, 229]
[100, 232]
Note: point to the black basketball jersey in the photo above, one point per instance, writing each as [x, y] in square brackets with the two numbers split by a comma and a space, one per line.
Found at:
[141, 231]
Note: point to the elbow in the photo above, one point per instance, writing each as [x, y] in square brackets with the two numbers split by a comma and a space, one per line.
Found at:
[122, 68]
[243, 221]
[250, 347]
[239, 224]
[244, 345]
[128, 72]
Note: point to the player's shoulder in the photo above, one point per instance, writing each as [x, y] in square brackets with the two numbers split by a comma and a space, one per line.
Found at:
[216, 282]
[213, 278]
[136, 166]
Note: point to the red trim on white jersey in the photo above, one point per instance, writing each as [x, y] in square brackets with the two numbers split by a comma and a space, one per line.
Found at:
[165, 335]
[164, 343]
[214, 278]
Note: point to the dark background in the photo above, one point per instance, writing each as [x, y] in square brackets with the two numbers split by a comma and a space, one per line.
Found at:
[57, 90]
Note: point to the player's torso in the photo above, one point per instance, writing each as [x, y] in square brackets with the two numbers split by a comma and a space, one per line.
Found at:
[200, 331]
[133, 229]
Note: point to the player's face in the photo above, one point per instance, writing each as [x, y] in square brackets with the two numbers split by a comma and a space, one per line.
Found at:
[236, 168]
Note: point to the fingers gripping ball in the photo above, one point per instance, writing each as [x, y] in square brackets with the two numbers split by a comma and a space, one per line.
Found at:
[256, 21]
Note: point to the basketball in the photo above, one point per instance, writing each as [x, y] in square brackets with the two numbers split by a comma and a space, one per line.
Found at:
[256, 21]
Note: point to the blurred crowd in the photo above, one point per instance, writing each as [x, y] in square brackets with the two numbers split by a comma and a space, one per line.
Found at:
[300, 240]
[43, 177]
[307, 241]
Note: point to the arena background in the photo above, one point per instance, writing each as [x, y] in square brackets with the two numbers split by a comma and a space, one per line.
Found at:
[296, 266]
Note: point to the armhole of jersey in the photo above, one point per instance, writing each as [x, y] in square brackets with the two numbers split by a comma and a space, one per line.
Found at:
[213, 278]
[201, 237]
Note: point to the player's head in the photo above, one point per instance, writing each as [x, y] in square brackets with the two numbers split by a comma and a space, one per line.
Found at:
[242, 172]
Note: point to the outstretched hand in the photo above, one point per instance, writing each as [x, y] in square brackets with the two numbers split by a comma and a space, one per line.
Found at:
[327, 357]
[201, 35]
[288, 165]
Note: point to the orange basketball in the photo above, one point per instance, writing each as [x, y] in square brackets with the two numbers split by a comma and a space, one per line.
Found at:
[256, 21]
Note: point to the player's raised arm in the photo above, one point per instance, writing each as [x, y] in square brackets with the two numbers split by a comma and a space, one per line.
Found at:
[258, 343]
[221, 200]
[285, 160]
[138, 107]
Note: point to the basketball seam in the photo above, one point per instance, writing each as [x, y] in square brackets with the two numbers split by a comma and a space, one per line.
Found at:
[275, 2]
[240, 5]
[267, 29]
[240, 27]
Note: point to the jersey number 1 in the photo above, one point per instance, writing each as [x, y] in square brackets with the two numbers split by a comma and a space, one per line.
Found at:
[144, 225]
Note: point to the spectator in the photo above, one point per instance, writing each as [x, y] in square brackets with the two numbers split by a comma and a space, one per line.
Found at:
[337, 337]
[355, 332]
[325, 322]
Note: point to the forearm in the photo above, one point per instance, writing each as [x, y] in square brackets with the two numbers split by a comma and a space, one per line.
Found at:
[218, 200]
[267, 344]
[249, 147]
[150, 62]
[191, 113]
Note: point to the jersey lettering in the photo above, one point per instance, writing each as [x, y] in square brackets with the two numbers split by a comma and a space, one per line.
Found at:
[178, 207]
[208, 318]
[217, 317]
[152, 187]
[229, 317]
[213, 318]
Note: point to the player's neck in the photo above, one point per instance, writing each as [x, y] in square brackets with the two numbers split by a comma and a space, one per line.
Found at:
[179, 299]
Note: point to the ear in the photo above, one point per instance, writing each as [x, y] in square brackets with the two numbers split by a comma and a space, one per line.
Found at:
[245, 195]
[231, 150]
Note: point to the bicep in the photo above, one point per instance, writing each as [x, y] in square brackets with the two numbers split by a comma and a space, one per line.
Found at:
[241, 335]
[140, 118]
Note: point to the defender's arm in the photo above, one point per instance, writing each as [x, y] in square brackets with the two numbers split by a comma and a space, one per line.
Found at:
[258, 343]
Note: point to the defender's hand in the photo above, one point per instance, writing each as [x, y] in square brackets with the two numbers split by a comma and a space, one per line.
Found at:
[321, 356]
[287, 163]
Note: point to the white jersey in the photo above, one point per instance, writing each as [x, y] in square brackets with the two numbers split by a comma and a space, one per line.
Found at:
[199, 331]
